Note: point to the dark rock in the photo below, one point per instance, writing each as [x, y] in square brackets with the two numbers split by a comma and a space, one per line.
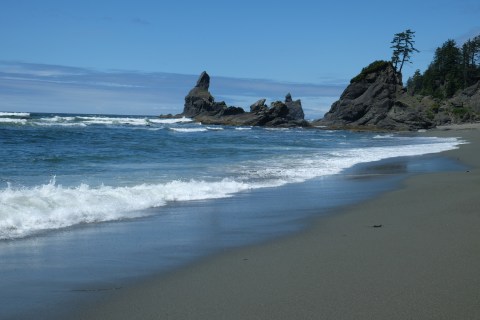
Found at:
[199, 100]
[230, 111]
[170, 116]
[259, 106]
[278, 109]
[203, 81]
[295, 110]
[201, 106]
[372, 100]
[288, 98]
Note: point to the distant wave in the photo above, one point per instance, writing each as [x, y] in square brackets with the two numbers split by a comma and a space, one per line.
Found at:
[15, 118]
[59, 124]
[215, 128]
[189, 129]
[383, 136]
[15, 114]
[113, 120]
[170, 121]
[57, 119]
[13, 121]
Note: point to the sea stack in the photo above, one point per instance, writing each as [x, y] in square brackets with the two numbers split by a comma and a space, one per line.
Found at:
[201, 106]
[199, 99]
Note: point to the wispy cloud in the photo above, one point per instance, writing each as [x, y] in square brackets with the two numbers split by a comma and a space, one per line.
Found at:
[40, 70]
[50, 88]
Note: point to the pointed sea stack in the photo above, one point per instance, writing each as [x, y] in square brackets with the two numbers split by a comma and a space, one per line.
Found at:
[199, 99]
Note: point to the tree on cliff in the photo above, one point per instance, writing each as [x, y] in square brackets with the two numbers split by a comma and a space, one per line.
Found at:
[402, 45]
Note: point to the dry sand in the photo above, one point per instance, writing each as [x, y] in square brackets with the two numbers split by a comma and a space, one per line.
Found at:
[422, 263]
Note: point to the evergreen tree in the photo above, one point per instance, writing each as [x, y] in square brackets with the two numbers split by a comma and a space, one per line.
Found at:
[444, 75]
[402, 45]
[452, 68]
[415, 83]
[471, 57]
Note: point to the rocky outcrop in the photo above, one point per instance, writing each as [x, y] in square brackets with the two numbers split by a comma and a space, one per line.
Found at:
[373, 101]
[376, 100]
[462, 107]
[295, 110]
[199, 101]
[201, 106]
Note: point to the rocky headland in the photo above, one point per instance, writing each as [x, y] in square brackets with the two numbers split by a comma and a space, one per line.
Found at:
[201, 106]
[377, 100]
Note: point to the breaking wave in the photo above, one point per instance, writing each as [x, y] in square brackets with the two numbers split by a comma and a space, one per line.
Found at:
[28, 210]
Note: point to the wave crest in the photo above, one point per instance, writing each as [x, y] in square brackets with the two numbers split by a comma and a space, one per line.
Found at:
[26, 211]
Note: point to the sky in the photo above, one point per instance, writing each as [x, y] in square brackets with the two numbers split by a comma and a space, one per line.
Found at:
[101, 56]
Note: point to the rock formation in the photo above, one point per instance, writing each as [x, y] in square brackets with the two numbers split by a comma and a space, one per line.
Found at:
[462, 107]
[201, 106]
[371, 101]
[376, 100]
[295, 109]
[199, 101]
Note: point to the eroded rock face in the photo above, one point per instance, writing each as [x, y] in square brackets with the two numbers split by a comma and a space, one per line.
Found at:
[201, 106]
[259, 106]
[295, 110]
[372, 100]
[199, 101]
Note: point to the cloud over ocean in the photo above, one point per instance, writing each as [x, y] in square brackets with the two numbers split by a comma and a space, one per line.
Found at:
[28, 87]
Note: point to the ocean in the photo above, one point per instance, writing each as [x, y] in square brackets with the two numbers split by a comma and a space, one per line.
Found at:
[90, 201]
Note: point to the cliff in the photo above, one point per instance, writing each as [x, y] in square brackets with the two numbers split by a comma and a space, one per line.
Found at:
[376, 100]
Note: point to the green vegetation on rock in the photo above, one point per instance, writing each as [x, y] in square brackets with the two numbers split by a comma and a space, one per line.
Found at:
[371, 68]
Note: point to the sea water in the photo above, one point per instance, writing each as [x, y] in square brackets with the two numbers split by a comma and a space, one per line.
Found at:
[61, 170]
[87, 201]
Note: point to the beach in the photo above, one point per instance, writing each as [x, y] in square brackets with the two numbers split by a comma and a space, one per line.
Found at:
[409, 253]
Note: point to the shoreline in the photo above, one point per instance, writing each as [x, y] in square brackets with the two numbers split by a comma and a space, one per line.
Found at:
[422, 262]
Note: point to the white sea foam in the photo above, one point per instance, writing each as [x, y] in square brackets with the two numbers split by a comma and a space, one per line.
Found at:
[114, 121]
[383, 136]
[60, 124]
[29, 210]
[13, 120]
[300, 168]
[57, 119]
[189, 129]
[26, 211]
[15, 114]
[215, 128]
[277, 129]
[243, 128]
[170, 121]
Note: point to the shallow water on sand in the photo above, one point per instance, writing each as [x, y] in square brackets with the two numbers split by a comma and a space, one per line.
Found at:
[50, 273]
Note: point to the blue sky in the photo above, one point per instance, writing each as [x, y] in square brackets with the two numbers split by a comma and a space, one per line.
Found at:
[311, 44]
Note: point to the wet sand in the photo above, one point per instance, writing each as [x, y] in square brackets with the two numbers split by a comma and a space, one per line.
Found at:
[411, 253]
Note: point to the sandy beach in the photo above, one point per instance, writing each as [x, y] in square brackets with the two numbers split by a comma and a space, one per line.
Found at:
[411, 253]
